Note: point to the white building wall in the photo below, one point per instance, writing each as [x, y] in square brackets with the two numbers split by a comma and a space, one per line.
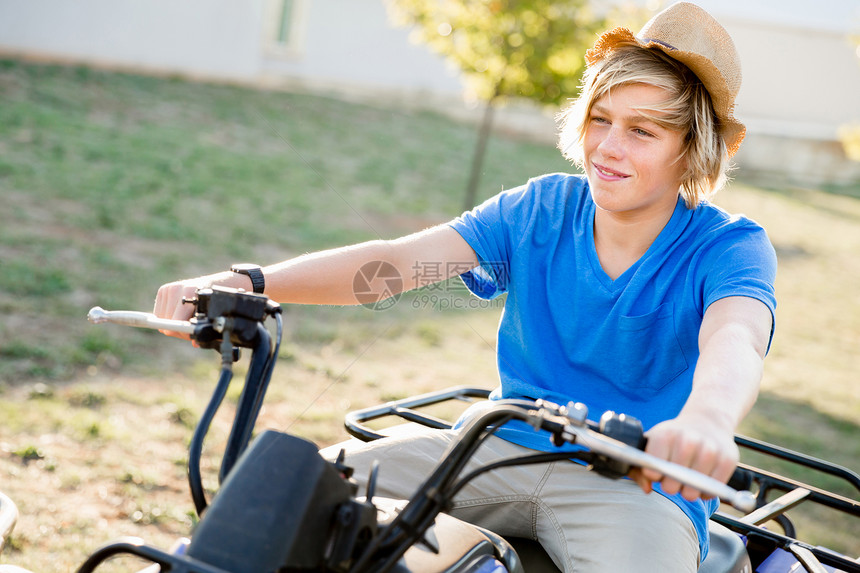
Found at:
[350, 44]
[801, 82]
[208, 38]
[802, 86]
[342, 43]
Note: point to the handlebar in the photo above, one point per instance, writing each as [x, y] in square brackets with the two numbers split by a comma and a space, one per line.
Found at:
[224, 319]
[582, 431]
[217, 310]
[570, 424]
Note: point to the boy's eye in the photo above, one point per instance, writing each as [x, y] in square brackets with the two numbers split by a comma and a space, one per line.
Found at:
[639, 131]
[598, 119]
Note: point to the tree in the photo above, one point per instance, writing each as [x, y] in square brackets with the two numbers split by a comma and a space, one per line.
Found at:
[506, 49]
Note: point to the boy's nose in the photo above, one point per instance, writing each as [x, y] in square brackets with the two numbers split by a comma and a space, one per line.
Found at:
[611, 144]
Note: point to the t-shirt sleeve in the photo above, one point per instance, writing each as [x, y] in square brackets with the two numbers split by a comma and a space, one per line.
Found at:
[742, 263]
[494, 229]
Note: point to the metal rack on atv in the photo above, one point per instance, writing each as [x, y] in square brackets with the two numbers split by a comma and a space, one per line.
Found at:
[282, 507]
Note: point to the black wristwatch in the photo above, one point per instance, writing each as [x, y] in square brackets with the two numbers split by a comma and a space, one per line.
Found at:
[254, 273]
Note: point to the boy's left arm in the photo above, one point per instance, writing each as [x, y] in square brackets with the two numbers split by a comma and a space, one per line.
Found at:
[733, 341]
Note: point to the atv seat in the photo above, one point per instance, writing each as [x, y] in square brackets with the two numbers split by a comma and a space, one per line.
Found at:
[727, 553]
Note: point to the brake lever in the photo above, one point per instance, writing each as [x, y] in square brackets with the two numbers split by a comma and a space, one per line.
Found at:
[98, 315]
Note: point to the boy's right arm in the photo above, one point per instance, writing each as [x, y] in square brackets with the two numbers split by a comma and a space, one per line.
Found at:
[326, 277]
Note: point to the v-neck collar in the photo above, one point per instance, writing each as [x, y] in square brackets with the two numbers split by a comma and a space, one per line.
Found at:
[666, 235]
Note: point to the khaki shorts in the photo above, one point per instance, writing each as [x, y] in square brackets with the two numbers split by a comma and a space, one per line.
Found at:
[585, 522]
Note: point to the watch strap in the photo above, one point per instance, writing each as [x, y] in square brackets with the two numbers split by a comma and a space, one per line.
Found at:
[254, 272]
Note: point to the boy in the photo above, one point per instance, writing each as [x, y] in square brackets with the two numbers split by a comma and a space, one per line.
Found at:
[626, 290]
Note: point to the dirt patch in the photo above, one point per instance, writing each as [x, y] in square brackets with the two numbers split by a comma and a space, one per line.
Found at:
[84, 480]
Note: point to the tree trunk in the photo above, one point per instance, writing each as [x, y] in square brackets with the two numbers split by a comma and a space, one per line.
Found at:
[480, 152]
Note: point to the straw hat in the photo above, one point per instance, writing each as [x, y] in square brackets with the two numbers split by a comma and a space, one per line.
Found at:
[685, 32]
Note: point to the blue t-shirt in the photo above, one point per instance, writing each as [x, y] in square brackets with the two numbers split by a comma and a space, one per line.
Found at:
[569, 332]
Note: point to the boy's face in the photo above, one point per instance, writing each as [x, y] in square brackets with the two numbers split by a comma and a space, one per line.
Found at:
[632, 164]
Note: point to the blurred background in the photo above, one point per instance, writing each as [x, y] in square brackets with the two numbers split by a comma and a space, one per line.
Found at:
[799, 58]
[146, 141]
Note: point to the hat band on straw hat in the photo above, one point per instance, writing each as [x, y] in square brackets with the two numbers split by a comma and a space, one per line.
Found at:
[656, 41]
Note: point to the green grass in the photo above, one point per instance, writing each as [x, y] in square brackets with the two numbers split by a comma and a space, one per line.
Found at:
[113, 184]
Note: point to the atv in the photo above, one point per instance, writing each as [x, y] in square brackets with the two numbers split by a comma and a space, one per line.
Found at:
[282, 507]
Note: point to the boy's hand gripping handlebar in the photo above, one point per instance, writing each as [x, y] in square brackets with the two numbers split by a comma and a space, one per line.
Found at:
[574, 427]
[217, 310]
[743, 501]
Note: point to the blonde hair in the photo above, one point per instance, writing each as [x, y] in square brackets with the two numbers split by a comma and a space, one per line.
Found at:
[688, 110]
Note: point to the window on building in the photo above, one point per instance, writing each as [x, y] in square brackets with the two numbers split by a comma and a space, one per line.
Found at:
[285, 26]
